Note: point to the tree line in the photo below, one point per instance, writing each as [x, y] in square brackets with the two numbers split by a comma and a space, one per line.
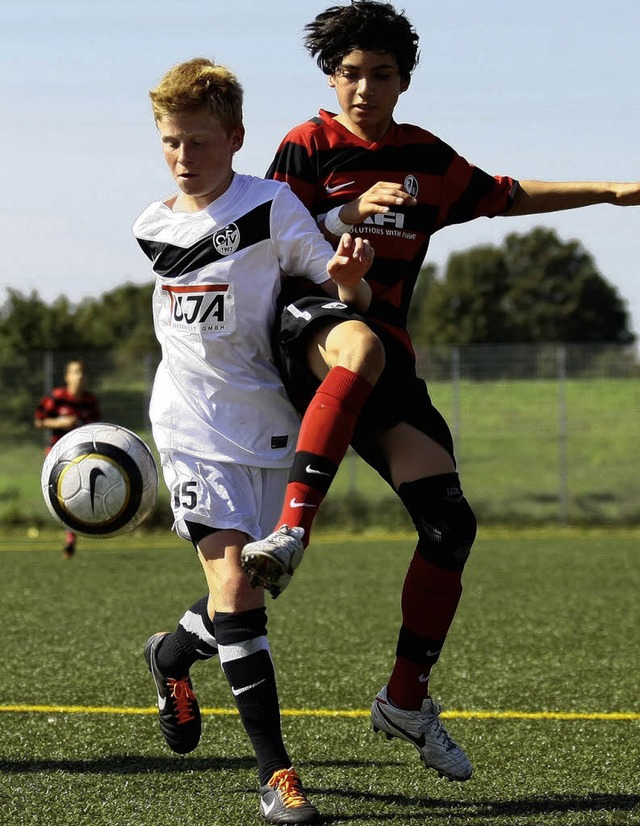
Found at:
[533, 288]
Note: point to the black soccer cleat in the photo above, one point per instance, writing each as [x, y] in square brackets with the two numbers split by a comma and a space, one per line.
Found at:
[283, 800]
[178, 710]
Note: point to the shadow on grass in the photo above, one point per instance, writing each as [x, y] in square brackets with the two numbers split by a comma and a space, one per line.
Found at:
[128, 764]
[478, 812]
[470, 812]
[141, 764]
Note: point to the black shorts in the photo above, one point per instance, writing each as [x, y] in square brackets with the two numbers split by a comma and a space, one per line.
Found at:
[400, 395]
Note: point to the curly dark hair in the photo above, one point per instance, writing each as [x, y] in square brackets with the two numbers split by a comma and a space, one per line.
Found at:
[366, 25]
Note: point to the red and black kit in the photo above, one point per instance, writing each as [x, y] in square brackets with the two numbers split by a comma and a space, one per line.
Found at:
[326, 165]
[61, 403]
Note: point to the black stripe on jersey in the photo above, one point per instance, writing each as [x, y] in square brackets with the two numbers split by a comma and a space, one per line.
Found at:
[465, 209]
[431, 160]
[171, 261]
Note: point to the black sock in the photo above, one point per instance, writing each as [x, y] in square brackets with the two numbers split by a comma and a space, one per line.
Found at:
[246, 662]
[192, 640]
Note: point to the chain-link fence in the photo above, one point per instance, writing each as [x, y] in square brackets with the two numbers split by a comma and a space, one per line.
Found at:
[543, 433]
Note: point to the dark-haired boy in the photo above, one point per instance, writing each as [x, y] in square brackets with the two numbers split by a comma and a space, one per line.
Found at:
[396, 184]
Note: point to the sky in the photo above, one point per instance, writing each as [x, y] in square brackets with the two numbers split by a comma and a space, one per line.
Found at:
[545, 89]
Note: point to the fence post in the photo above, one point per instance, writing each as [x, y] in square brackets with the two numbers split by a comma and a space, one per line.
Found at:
[563, 469]
[47, 372]
[455, 399]
[47, 386]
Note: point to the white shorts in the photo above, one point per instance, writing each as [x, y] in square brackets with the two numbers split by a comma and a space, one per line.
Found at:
[223, 495]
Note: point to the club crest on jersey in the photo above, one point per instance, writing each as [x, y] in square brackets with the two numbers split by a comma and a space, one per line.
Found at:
[227, 239]
[411, 185]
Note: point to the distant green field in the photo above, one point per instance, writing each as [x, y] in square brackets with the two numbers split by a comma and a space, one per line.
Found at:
[527, 454]
[539, 680]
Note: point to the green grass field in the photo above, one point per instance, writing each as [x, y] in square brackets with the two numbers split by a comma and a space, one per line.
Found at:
[539, 680]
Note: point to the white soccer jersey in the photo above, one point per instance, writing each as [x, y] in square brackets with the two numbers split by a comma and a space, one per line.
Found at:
[217, 393]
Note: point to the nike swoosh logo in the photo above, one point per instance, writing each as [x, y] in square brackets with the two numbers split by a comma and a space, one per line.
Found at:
[266, 808]
[419, 741]
[294, 504]
[423, 678]
[93, 478]
[433, 653]
[338, 187]
[310, 469]
[237, 691]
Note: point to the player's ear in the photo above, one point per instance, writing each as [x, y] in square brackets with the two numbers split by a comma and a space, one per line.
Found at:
[404, 85]
[237, 138]
[331, 80]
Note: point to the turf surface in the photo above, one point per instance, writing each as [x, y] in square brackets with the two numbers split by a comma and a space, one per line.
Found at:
[539, 679]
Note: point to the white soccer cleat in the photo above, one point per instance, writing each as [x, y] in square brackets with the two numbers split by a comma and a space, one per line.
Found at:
[438, 750]
[270, 562]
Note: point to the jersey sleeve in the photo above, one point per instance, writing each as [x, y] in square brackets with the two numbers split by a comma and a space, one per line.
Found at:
[301, 248]
[92, 412]
[467, 192]
[294, 164]
[46, 408]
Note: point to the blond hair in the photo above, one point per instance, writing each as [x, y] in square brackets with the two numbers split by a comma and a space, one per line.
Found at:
[199, 84]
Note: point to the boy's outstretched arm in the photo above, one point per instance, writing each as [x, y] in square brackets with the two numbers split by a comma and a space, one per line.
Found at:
[535, 197]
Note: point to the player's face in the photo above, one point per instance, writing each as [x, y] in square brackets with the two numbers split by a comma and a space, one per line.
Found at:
[368, 85]
[74, 377]
[199, 153]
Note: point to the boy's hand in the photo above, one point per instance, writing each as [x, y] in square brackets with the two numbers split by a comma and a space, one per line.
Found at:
[626, 194]
[379, 199]
[67, 422]
[351, 261]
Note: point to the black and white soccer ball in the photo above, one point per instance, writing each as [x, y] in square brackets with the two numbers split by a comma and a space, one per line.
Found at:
[100, 480]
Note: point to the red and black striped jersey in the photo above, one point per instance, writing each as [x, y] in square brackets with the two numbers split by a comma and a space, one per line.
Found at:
[61, 403]
[326, 165]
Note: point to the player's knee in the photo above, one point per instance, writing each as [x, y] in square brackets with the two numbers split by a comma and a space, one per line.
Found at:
[445, 521]
[353, 345]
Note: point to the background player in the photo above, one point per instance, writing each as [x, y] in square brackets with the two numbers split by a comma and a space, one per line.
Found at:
[333, 163]
[64, 409]
[221, 420]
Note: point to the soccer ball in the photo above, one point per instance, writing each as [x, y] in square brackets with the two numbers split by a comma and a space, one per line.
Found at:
[100, 480]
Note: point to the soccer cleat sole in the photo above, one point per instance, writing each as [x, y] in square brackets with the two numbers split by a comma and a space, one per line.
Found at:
[263, 567]
[263, 572]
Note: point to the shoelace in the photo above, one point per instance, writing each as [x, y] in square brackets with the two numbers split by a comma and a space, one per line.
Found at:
[283, 540]
[432, 722]
[287, 782]
[183, 696]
